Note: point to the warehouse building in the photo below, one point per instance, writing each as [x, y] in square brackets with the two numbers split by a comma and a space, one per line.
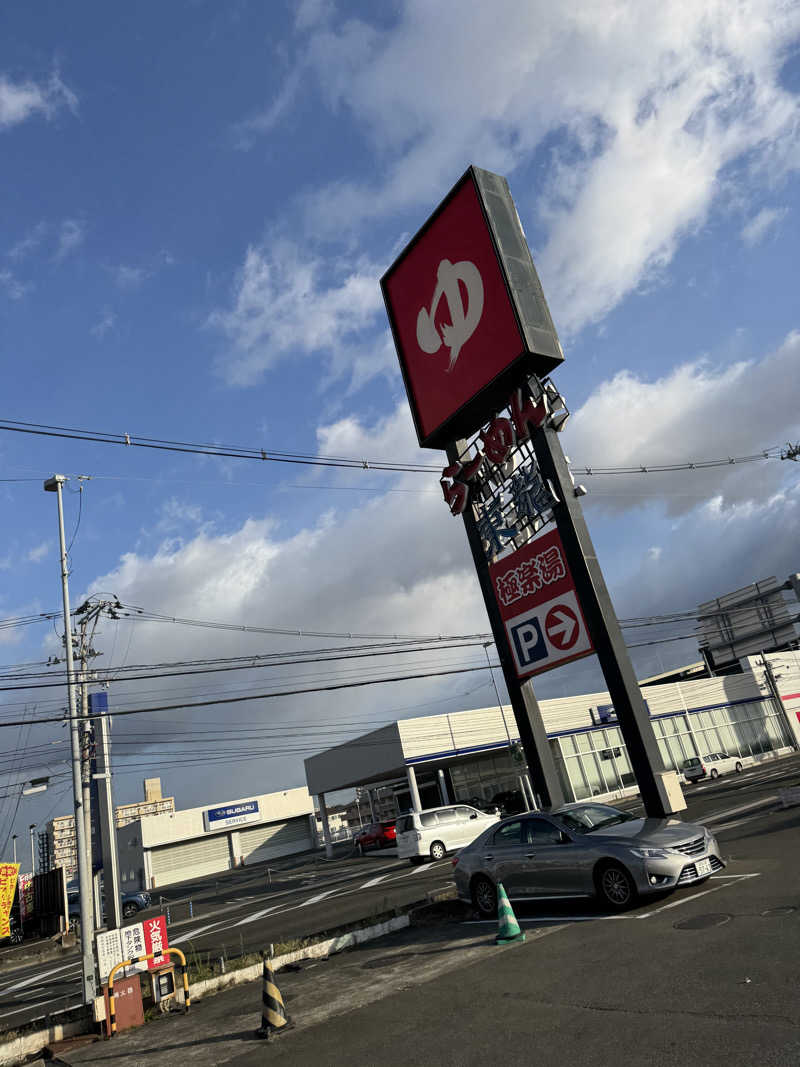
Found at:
[472, 756]
[159, 850]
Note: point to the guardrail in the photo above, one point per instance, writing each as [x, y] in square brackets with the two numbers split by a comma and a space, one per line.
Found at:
[112, 1019]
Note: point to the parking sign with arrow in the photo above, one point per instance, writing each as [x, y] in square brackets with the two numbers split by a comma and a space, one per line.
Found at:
[540, 610]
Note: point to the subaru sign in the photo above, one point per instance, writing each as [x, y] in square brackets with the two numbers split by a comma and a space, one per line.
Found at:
[231, 815]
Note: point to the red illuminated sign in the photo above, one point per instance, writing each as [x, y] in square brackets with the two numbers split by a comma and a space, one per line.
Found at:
[467, 311]
[539, 607]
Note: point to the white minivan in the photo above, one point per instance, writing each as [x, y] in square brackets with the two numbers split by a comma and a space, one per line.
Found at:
[431, 834]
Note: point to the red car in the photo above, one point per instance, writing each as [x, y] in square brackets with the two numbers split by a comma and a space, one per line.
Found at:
[376, 835]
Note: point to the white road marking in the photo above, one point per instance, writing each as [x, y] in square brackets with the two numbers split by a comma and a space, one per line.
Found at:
[423, 868]
[715, 816]
[685, 900]
[38, 978]
[549, 919]
[194, 933]
[320, 896]
[253, 918]
[374, 881]
[740, 822]
[730, 878]
[26, 1008]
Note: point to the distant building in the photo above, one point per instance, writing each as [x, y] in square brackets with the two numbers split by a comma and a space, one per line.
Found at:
[160, 849]
[61, 830]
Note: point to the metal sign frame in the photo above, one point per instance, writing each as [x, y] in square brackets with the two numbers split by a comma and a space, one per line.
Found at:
[538, 350]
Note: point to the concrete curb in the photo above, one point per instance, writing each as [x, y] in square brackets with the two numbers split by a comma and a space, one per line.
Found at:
[320, 950]
[19, 1049]
[789, 797]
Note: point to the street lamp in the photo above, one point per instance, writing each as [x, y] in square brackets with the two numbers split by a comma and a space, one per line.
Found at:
[31, 830]
[54, 485]
[14, 840]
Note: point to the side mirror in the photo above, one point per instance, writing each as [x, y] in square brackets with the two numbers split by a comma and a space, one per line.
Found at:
[565, 839]
[474, 815]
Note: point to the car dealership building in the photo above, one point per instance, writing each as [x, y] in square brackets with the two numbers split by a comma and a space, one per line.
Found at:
[158, 850]
[474, 755]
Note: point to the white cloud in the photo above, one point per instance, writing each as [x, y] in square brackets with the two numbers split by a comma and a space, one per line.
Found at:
[127, 277]
[30, 242]
[286, 303]
[70, 236]
[38, 553]
[766, 220]
[640, 109]
[19, 100]
[695, 412]
[13, 287]
[248, 130]
[104, 324]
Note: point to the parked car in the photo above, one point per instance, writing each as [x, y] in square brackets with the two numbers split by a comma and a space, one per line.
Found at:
[583, 850]
[132, 903]
[432, 833]
[376, 835]
[509, 802]
[16, 934]
[711, 766]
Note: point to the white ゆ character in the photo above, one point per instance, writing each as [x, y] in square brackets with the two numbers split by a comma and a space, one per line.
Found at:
[464, 321]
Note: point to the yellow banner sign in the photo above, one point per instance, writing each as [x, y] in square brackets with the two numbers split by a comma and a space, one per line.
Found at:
[8, 887]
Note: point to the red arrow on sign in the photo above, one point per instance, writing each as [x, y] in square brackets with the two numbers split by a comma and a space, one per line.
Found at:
[562, 627]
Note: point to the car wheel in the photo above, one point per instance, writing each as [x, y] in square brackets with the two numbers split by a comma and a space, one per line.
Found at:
[738, 767]
[484, 897]
[438, 851]
[714, 772]
[615, 886]
[381, 843]
[129, 910]
[16, 937]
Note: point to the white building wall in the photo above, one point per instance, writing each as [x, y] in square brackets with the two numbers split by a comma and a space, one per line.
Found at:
[786, 670]
[184, 825]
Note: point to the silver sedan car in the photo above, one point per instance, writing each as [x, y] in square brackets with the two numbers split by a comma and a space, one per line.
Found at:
[583, 850]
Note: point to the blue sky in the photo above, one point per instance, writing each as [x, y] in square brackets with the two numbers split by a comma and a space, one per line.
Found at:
[200, 200]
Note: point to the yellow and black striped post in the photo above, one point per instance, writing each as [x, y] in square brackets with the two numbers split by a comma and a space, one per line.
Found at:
[273, 1013]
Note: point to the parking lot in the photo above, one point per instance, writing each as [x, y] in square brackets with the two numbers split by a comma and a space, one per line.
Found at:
[755, 897]
[706, 974]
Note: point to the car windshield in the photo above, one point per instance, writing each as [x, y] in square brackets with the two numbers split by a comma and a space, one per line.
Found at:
[591, 817]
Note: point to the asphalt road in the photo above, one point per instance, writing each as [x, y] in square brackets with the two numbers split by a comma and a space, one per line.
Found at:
[245, 917]
[242, 913]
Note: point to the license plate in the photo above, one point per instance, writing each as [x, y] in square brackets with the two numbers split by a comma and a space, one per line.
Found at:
[703, 867]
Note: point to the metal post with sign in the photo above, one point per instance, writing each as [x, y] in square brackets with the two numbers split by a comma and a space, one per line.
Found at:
[476, 343]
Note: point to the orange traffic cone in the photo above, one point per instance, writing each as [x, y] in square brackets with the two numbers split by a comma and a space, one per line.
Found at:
[508, 929]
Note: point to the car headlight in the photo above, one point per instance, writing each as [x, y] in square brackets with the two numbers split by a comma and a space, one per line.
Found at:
[651, 853]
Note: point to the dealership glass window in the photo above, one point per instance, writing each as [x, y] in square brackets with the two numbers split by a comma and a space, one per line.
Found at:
[742, 730]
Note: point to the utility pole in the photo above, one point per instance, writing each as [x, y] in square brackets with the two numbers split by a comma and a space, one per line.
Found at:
[53, 485]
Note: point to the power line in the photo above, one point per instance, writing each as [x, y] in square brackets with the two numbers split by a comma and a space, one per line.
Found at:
[260, 696]
[307, 459]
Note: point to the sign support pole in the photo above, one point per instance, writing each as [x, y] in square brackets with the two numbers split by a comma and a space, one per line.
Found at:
[601, 620]
[527, 714]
